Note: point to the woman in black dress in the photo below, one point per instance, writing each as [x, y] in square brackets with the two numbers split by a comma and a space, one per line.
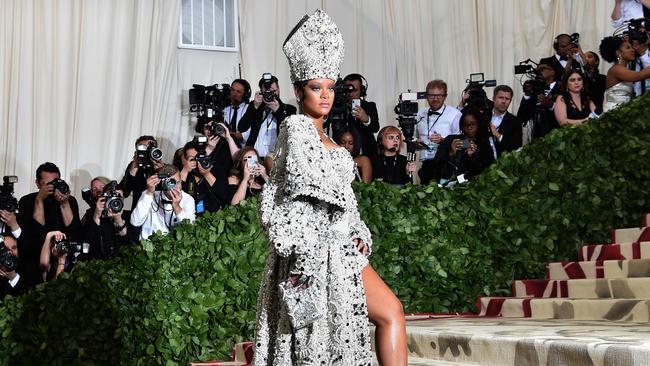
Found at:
[573, 106]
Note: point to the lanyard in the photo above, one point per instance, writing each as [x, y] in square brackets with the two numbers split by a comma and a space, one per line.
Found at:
[434, 122]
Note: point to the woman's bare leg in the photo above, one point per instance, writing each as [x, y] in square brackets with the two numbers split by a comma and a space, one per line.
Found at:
[386, 312]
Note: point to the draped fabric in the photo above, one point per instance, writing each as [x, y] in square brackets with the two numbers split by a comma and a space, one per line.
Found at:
[81, 79]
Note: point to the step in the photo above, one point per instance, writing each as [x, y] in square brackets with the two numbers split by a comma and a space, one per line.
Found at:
[503, 341]
[416, 361]
[600, 252]
[627, 310]
[646, 220]
[598, 269]
[631, 235]
[592, 288]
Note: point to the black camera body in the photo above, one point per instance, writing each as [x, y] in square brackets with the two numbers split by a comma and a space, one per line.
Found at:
[202, 96]
[267, 81]
[71, 247]
[167, 183]
[575, 39]
[216, 129]
[201, 157]
[8, 261]
[60, 185]
[7, 200]
[534, 77]
[268, 96]
[114, 200]
[147, 155]
[478, 98]
[338, 116]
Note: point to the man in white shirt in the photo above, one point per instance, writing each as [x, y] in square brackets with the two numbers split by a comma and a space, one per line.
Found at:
[164, 204]
[240, 93]
[639, 42]
[625, 10]
[435, 122]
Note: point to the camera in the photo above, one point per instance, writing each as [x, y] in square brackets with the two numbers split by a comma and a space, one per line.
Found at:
[575, 39]
[60, 185]
[201, 97]
[636, 30]
[464, 144]
[477, 97]
[406, 110]
[87, 196]
[535, 80]
[147, 155]
[71, 247]
[338, 116]
[7, 201]
[8, 261]
[201, 157]
[167, 183]
[114, 200]
[216, 129]
[267, 81]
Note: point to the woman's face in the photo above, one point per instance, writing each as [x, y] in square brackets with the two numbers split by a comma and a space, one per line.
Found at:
[317, 97]
[574, 83]
[347, 141]
[626, 52]
[591, 59]
[470, 126]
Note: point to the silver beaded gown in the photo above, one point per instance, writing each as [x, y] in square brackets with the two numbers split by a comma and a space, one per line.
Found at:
[617, 94]
[309, 212]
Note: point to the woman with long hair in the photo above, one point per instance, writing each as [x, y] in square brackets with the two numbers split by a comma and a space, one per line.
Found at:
[350, 139]
[318, 289]
[620, 79]
[247, 176]
[573, 106]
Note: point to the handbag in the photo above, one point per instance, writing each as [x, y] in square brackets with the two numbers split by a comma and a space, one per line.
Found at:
[301, 301]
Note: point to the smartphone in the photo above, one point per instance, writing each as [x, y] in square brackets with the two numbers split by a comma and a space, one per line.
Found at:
[356, 103]
[464, 144]
[251, 162]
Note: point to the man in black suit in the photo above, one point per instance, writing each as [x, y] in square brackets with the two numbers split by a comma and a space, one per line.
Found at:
[505, 127]
[562, 46]
[264, 115]
[363, 117]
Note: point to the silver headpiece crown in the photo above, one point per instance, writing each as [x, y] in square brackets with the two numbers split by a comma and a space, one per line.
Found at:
[314, 48]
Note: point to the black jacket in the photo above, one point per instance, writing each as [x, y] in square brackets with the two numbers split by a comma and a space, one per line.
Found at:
[448, 167]
[103, 238]
[510, 128]
[253, 119]
[557, 66]
[543, 118]
[135, 185]
[391, 169]
[368, 141]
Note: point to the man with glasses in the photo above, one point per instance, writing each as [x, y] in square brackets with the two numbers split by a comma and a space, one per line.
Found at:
[435, 122]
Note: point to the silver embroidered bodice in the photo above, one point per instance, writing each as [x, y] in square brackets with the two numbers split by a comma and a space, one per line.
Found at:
[309, 212]
[618, 94]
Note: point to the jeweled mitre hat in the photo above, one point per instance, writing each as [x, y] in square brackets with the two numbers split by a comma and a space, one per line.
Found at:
[314, 48]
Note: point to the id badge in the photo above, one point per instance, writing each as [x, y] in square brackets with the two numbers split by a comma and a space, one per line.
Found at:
[199, 207]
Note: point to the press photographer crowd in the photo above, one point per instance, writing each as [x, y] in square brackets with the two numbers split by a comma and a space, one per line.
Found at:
[44, 234]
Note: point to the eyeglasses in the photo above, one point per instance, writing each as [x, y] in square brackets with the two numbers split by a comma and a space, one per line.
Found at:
[435, 96]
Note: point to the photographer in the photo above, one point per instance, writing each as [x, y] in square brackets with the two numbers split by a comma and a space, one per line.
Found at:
[595, 81]
[209, 193]
[466, 154]
[434, 124]
[220, 147]
[10, 283]
[53, 261]
[390, 166]
[362, 114]
[639, 41]
[9, 207]
[564, 57]
[51, 208]
[163, 205]
[240, 93]
[141, 166]
[104, 228]
[625, 10]
[9, 223]
[247, 176]
[538, 101]
[264, 115]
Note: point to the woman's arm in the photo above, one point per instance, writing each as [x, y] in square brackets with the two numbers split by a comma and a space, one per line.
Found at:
[622, 73]
[561, 114]
[240, 193]
[365, 167]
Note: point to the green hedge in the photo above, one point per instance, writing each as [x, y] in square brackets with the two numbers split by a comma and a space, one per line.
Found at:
[189, 295]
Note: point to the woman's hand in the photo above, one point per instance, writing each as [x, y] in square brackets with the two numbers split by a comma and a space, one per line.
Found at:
[472, 148]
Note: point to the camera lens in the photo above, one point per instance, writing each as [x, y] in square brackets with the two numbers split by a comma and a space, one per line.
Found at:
[156, 154]
[115, 204]
[169, 184]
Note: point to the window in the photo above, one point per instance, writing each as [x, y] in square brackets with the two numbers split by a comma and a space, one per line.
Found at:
[209, 25]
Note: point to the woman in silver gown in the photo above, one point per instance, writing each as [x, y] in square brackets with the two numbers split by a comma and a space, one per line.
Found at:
[620, 79]
[318, 290]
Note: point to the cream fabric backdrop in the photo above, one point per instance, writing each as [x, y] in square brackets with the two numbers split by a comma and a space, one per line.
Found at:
[80, 79]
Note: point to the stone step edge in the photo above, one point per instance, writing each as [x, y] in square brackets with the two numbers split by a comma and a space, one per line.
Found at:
[630, 234]
[563, 286]
[493, 306]
[598, 265]
[587, 252]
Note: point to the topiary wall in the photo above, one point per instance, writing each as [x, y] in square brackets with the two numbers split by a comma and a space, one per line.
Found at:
[189, 295]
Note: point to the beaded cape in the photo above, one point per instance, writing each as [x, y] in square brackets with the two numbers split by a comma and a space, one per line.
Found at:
[309, 212]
